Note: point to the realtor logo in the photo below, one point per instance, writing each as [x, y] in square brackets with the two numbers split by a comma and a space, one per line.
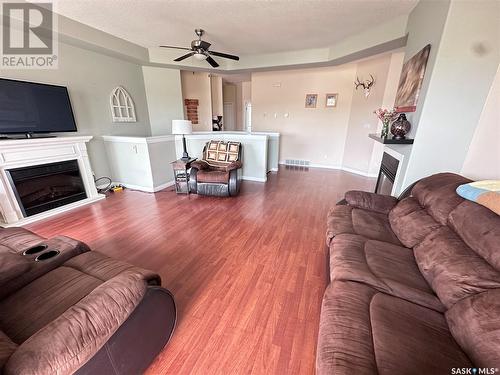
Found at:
[28, 36]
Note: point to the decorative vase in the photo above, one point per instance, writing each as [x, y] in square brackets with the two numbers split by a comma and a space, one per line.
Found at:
[385, 129]
[400, 127]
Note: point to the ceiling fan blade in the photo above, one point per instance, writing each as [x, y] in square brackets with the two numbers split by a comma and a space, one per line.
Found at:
[224, 55]
[185, 56]
[212, 62]
[187, 49]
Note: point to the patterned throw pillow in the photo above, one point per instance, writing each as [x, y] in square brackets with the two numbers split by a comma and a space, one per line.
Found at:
[221, 153]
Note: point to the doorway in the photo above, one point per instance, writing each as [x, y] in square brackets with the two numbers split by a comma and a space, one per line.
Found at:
[229, 116]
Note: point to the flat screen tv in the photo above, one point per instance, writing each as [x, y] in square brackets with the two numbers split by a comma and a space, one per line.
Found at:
[28, 108]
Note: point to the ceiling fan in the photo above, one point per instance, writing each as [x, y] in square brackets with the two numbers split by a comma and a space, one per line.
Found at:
[200, 51]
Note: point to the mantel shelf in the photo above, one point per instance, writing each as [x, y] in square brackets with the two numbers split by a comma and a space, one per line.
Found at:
[391, 141]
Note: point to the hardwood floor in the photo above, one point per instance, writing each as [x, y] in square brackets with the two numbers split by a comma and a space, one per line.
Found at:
[247, 273]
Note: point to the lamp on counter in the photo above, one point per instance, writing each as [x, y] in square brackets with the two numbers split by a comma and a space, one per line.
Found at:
[182, 127]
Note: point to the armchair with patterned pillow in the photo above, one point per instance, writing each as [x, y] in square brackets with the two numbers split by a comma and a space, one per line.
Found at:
[217, 173]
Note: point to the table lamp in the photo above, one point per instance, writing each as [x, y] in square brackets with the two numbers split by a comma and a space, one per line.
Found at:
[182, 127]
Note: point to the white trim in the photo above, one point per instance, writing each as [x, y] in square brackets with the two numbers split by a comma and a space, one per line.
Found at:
[223, 135]
[325, 166]
[337, 167]
[54, 211]
[257, 179]
[146, 189]
[361, 173]
[58, 140]
[145, 140]
[274, 170]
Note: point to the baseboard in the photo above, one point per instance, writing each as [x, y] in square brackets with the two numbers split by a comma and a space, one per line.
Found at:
[274, 170]
[257, 179]
[163, 186]
[336, 167]
[361, 173]
[146, 189]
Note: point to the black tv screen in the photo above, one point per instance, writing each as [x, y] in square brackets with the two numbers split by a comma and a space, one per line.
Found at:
[28, 107]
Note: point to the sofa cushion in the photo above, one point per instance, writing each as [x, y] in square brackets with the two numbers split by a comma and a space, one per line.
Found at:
[479, 228]
[26, 311]
[453, 270]
[475, 324]
[387, 267]
[437, 194]
[66, 343]
[105, 268]
[410, 222]
[411, 339]
[29, 309]
[7, 347]
[363, 331]
[347, 219]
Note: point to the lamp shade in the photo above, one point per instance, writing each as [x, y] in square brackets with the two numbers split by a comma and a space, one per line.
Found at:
[182, 127]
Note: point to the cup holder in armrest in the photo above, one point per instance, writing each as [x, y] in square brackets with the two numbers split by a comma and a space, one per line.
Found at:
[35, 249]
[47, 255]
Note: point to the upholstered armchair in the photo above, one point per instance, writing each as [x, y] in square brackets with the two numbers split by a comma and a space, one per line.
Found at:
[217, 172]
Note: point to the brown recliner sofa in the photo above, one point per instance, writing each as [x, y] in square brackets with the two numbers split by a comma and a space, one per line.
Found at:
[65, 309]
[218, 172]
[415, 284]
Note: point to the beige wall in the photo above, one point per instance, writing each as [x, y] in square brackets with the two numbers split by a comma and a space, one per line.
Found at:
[216, 92]
[362, 121]
[164, 98]
[196, 85]
[483, 158]
[318, 134]
[330, 137]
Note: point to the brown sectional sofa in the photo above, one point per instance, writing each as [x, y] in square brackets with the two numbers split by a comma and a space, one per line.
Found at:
[77, 311]
[415, 283]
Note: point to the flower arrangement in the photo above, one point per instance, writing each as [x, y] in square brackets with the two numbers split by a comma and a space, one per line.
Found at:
[386, 116]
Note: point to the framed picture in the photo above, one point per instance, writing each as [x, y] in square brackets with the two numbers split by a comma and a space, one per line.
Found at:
[410, 82]
[311, 100]
[331, 100]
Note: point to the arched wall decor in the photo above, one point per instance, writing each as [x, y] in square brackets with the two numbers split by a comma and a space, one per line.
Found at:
[122, 106]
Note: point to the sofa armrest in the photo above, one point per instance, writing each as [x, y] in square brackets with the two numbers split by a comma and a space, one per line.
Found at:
[200, 165]
[68, 342]
[232, 166]
[19, 270]
[371, 201]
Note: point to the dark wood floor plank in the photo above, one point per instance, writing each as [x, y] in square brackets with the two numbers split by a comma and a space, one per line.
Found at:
[247, 273]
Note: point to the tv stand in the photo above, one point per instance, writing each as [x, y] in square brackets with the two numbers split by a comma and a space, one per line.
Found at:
[27, 136]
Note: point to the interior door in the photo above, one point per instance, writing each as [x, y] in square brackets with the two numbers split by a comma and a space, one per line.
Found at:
[229, 118]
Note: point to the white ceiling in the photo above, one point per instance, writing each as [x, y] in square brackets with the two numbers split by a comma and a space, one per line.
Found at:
[235, 26]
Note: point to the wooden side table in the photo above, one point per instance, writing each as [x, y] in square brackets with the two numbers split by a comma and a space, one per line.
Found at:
[181, 175]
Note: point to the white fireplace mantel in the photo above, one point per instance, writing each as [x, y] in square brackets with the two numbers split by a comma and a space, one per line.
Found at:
[16, 153]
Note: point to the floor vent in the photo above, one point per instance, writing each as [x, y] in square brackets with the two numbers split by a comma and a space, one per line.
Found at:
[297, 163]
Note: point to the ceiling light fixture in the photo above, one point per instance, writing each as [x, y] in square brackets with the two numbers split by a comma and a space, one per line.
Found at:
[200, 56]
